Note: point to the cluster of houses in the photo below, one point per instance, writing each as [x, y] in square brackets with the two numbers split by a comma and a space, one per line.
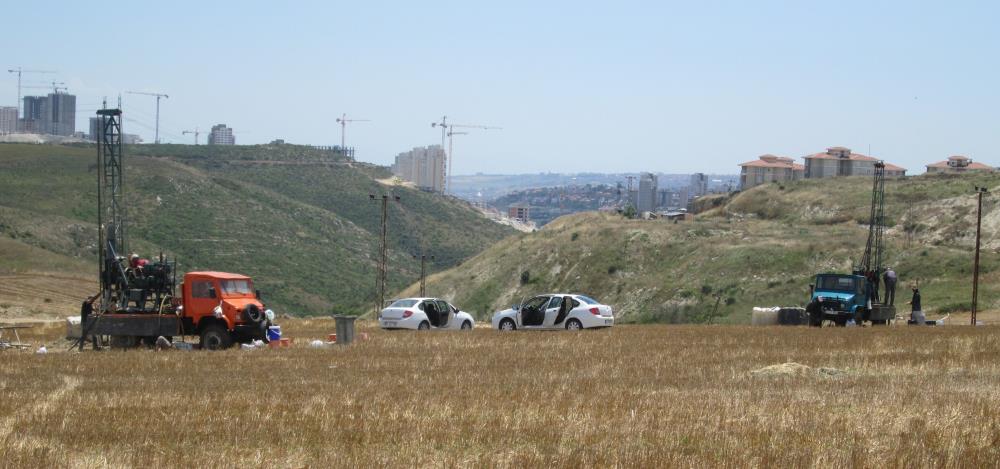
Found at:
[837, 161]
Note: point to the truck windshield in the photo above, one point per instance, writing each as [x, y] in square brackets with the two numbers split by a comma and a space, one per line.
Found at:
[235, 287]
[847, 284]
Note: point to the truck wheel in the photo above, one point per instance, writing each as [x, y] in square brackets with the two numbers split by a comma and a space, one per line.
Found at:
[215, 337]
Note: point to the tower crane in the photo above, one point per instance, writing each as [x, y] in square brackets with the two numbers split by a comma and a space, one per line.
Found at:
[158, 96]
[20, 71]
[446, 133]
[343, 120]
[196, 132]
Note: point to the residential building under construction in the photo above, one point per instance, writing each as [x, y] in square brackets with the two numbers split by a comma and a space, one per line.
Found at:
[423, 166]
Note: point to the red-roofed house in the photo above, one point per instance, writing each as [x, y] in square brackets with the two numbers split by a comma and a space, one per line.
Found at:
[958, 164]
[769, 168]
[840, 161]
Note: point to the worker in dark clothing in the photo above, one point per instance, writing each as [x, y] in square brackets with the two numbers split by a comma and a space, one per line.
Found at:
[916, 313]
[872, 278]
[890, 286]
[86, 309]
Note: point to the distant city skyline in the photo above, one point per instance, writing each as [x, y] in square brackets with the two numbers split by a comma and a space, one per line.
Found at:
[677, 87]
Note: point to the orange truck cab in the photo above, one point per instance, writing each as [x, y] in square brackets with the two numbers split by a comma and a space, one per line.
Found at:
[222, 308]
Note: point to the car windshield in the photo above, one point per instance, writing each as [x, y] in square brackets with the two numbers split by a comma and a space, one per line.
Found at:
[834, 283]
[235, 287]
[403, 304]
[587, 299]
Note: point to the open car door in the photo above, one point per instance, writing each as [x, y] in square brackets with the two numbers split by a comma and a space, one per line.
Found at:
[446, 313]
[532, 312]
[431, 310]
[565, 306]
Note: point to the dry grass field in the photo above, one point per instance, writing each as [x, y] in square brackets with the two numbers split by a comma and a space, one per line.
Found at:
[651, 396]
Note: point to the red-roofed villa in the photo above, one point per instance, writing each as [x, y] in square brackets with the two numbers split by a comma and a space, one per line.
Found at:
[769, 168]
[958, 164]
[840, 161]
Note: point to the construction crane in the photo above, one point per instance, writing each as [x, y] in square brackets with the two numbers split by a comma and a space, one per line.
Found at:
[19, 71]
[196, 132]
[158, 96]
[343, 120]
[445, 133]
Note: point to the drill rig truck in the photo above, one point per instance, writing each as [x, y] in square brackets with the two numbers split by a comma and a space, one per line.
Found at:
[138, 303]
[841, 298]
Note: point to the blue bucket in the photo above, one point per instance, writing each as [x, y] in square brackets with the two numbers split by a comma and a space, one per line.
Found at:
[274, 333]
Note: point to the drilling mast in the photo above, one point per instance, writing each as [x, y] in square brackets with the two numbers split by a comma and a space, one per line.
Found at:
[111, 216]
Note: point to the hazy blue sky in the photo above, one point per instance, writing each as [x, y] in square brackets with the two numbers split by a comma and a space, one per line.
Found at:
[576, 86]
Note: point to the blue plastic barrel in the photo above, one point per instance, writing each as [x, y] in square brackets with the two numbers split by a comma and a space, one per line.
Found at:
[273, 333]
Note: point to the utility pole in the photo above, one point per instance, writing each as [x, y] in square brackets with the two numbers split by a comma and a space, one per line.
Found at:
[975, 269]
[158, 96]
[343, 120]
[423, 273]
[19, 71]
[383, 247]
[196, 132]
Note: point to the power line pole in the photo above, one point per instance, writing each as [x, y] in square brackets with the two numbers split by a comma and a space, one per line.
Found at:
[383, 247]
[975, 269]
[423, 273]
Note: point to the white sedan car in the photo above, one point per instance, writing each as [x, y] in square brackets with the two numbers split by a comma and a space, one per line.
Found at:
[555, 311]
[423, 314]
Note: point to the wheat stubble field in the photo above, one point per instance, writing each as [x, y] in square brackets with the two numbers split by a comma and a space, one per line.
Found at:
[631, 396]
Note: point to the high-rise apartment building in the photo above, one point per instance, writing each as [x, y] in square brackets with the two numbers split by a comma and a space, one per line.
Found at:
[423, 166]
[8, 119]
[699, 184]
[59, 114]
[646, 198]
[54, 114]
[95, 128]
[221, 135]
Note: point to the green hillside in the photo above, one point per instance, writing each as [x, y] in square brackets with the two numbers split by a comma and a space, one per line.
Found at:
[297, 219]
[757, 248]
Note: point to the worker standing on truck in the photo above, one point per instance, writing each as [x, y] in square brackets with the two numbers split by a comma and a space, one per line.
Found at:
[916, 313]
[890, 286]
[137, 263]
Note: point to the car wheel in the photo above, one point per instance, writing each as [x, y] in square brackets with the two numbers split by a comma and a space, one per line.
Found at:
[424, 326]
[215, 337]
[574, 325]
[507, 325]
[466, 326]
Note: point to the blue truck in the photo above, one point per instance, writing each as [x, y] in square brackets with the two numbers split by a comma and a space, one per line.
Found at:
[842, 297]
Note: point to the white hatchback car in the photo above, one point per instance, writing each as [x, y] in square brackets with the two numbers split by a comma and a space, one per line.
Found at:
[423, 314]
[555, 311]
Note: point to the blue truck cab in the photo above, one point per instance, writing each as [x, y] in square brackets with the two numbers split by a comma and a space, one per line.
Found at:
[839, 298]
